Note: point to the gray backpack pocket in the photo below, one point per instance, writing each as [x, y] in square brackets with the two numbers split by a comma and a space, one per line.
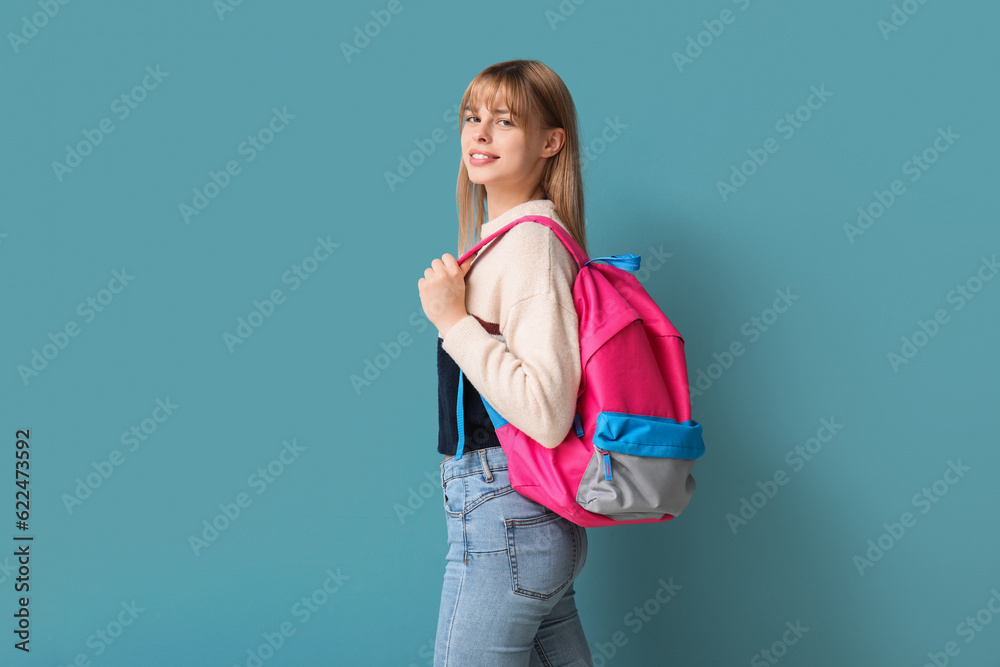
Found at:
[641, 466]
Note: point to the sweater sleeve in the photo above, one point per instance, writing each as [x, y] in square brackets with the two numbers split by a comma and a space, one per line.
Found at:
[533, 380]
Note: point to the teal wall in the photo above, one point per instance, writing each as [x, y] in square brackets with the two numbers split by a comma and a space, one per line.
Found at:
[849, 484]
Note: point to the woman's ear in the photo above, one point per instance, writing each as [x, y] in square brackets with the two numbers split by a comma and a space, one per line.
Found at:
[554, 141]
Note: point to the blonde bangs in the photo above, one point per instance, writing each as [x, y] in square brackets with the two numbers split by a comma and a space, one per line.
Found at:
[484, 91]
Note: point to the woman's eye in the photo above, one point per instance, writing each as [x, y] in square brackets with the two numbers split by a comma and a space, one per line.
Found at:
[502, 120]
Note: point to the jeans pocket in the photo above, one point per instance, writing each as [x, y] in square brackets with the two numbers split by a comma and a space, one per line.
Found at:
[543, 554]
[454, 496]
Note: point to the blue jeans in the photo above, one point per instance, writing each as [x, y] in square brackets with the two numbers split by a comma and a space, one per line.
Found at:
[508, 596]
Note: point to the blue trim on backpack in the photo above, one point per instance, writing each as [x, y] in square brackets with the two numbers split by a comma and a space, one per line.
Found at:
[498, 421]
[645, 435]
[460, 418]
[629, 262]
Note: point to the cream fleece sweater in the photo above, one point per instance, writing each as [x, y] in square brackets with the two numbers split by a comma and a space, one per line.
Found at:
[519, 345]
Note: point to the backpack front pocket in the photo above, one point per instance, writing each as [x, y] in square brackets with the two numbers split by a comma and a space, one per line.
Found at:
[641, 466]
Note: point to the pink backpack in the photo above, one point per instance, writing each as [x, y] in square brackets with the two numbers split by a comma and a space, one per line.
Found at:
[629, 455]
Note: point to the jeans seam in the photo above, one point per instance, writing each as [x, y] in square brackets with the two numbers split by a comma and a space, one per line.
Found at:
[454, 613]
[465, 534]
[492, 494]
[577, 551]
[541, 653]
[466, 507]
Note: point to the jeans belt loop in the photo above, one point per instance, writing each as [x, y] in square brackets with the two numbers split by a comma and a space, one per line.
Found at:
[486, 467]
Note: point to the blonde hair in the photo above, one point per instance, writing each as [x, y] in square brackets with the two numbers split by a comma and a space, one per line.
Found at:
[536, 96]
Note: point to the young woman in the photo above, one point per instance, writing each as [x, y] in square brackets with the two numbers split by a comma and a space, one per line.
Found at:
[512, 329]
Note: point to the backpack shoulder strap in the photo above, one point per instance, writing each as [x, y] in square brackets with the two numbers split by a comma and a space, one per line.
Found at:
[561, 234]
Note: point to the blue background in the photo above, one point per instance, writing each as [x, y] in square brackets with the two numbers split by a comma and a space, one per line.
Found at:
[362, 497]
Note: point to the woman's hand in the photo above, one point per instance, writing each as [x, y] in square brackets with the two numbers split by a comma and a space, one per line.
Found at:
[442, 292]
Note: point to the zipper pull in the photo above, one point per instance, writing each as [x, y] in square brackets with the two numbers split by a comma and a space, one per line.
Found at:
[607, 465]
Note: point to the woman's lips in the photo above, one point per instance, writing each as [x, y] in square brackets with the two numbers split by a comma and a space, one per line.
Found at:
[475, 161]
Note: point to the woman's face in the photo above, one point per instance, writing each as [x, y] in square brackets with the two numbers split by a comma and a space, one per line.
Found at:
[518, 150]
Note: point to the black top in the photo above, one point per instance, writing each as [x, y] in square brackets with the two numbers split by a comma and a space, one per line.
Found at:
[479, 430]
